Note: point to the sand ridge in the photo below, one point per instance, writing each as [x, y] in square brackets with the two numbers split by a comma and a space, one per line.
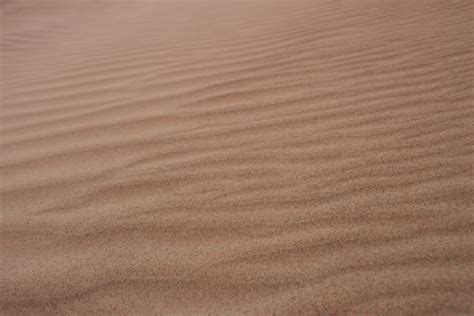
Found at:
[237, 157]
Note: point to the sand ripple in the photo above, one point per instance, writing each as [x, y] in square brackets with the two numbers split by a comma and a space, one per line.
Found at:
[237, 157]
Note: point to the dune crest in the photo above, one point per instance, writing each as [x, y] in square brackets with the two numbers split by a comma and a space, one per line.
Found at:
[237, 157]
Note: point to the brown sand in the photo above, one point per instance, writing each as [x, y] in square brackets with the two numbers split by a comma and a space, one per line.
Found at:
[237, 157]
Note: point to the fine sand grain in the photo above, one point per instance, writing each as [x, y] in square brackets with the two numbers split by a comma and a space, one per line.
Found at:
[237, 157]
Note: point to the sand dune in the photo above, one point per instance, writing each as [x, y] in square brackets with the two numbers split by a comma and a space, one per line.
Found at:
[237, 157]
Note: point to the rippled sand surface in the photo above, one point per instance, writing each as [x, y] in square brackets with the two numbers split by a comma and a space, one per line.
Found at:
[237, 157]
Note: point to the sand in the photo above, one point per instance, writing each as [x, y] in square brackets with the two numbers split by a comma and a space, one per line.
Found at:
[263, 157]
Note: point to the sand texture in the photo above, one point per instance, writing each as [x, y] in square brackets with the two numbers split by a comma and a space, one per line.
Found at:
[211, 157]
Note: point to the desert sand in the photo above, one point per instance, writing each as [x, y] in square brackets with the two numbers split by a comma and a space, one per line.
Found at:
[210, 157]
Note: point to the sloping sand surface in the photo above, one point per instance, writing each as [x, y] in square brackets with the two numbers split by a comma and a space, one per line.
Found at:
[237, 157]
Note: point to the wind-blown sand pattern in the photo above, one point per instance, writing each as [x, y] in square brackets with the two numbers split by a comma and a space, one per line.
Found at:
[237, 157]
